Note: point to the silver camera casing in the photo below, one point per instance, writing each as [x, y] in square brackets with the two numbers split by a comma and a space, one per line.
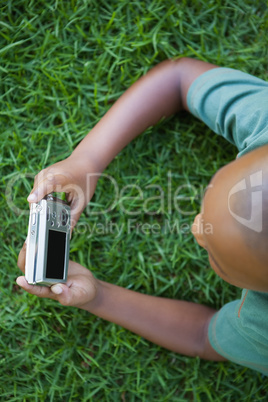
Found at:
[48, 242]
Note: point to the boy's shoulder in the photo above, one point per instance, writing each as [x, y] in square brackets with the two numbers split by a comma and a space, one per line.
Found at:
[239, 331]
[252, 313]
[233, 104]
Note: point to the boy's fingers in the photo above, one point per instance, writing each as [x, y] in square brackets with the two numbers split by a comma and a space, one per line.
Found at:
[42, 189]
[39, 187]
[74, 220]
[40, 291]
[21, 258]
[70, 295]
[60, 292]
[47, 182]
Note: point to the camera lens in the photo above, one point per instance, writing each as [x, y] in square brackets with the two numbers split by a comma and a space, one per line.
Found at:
[64, 217]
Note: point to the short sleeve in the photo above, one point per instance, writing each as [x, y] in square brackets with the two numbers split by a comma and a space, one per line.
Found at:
[239, 331]
[233, 104]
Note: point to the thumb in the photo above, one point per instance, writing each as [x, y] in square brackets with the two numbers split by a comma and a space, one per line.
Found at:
[57, 289]
[67, 296]
[72, 295]
[47, 181]
[63, 293]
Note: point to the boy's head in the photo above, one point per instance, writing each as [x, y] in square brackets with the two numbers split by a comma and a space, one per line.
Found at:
[235, 207]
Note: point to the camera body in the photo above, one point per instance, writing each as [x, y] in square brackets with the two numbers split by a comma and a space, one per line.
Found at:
[48, 242]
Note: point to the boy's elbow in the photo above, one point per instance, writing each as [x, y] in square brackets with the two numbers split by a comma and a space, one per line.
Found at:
[205, 350]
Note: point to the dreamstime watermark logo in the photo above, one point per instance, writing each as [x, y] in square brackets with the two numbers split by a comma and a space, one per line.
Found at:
[255, 220]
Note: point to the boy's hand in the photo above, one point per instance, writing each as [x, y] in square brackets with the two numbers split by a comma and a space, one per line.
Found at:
[74, 176]
[79, 290]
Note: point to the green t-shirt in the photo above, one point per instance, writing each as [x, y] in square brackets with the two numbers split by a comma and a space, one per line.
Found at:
[235, 105]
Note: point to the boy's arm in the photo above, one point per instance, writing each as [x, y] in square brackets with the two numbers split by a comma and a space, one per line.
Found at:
[158, 94]
[176, 325]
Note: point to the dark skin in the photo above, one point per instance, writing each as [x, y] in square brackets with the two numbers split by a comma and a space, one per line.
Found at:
[229, 254]
[174, 324]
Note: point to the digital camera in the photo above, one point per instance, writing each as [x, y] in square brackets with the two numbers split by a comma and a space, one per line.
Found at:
[48, 242]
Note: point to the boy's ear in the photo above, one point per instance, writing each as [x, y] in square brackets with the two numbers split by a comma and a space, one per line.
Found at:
[197, 230]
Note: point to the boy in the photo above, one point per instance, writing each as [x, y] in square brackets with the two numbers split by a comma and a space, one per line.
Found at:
[233, 104]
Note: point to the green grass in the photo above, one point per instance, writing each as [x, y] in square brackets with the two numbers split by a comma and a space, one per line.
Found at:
[62, 64]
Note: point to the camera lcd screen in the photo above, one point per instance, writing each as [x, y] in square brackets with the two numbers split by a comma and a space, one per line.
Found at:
[55, 254]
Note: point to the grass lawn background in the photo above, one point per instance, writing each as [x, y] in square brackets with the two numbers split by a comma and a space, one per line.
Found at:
[62, 65]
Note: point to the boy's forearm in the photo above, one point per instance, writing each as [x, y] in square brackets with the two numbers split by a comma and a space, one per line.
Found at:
[160, 93]
[176, 325]
[152, 97]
